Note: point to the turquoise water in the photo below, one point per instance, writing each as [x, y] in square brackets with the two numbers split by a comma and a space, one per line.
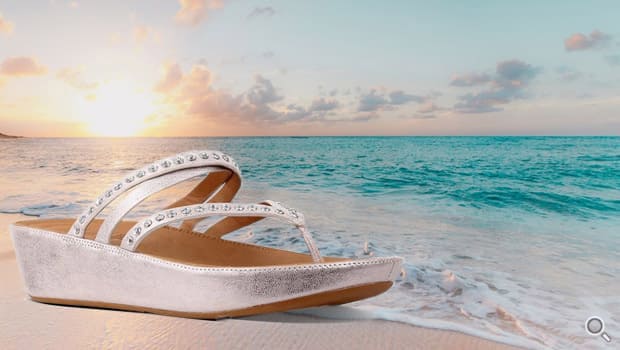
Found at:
[512, 238]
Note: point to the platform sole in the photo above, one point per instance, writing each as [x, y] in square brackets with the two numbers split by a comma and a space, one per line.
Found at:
[335, 297]
[60, 269]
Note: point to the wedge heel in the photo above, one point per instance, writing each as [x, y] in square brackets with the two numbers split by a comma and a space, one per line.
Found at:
[61, 269]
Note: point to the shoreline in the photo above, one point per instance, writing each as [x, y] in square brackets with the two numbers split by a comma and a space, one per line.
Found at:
[69, 327]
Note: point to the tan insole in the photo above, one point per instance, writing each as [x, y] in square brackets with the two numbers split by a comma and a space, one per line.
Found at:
[186, 246]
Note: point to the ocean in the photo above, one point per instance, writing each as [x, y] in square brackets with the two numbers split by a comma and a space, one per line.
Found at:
[510, 238]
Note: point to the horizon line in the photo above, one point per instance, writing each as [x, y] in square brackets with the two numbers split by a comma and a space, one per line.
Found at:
[301, 136]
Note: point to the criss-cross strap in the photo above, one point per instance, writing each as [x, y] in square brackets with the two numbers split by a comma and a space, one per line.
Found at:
[215, 176]
[249, 213]
[222, 180]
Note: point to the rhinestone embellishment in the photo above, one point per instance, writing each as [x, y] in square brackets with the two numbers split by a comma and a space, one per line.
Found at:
[150, 170]
[138, 231]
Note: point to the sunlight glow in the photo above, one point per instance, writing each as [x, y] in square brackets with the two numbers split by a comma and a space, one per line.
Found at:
[117, 108]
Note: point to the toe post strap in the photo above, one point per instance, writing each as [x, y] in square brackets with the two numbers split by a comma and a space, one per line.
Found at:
[267, 209]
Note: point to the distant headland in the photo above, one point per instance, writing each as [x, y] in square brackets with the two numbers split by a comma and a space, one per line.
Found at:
[5, 136]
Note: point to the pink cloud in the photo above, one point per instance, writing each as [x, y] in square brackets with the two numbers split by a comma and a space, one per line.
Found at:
[193, 12]
[6, 27]
[22, 66]
[75, 78]
[194, 96]
[580, 42]
[142, 34]
[171, 77]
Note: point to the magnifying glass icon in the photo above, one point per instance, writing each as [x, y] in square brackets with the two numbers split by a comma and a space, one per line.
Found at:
[596, 326]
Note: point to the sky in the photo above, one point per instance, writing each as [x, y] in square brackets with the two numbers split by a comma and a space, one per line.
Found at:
[246, 68]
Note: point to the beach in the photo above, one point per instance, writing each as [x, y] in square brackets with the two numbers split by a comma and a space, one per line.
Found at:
[28, 324]
[510, 239]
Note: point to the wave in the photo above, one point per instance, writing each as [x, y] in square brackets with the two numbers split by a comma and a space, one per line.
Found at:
[357, 313]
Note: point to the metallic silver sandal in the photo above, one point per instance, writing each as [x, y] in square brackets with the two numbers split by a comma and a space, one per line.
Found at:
[153, 266]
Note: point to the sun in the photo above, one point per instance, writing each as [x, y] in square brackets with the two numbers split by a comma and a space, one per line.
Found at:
[117, 109]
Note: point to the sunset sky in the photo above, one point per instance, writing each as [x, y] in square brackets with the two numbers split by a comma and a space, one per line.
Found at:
[218, 67]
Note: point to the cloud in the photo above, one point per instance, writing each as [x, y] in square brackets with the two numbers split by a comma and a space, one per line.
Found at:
[324, 105]
[375, 101]
[399, 97]
[613, 60]
[429, 107]
[515, 72]
[171, 78]
[193, 12]
[194, 95]
[263, 92]
[423, 116]
[266, 11]
[427, 110]
[580, 42]
[22, 66]
[508, 84]
[142, 34]
[6, 27]
[471, 79]
[75, 78]
[372, 101]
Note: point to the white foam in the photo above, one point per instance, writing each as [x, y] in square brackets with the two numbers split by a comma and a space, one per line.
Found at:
[377, 313]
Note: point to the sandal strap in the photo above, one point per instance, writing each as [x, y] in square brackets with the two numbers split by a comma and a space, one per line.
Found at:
[230, 224]
[266, 209]
[150, 187]
[225, 190]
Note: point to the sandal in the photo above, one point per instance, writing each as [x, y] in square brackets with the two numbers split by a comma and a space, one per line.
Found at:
[162, 264]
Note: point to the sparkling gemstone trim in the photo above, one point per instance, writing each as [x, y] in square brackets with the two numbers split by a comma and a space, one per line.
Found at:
[194, 159]
[142, 229]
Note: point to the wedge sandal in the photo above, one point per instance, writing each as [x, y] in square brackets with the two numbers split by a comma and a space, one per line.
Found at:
[163, 264]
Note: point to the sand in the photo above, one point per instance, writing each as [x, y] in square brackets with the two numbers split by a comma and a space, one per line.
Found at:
[25, 324]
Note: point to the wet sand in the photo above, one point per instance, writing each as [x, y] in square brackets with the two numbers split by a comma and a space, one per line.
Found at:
[30, 325]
